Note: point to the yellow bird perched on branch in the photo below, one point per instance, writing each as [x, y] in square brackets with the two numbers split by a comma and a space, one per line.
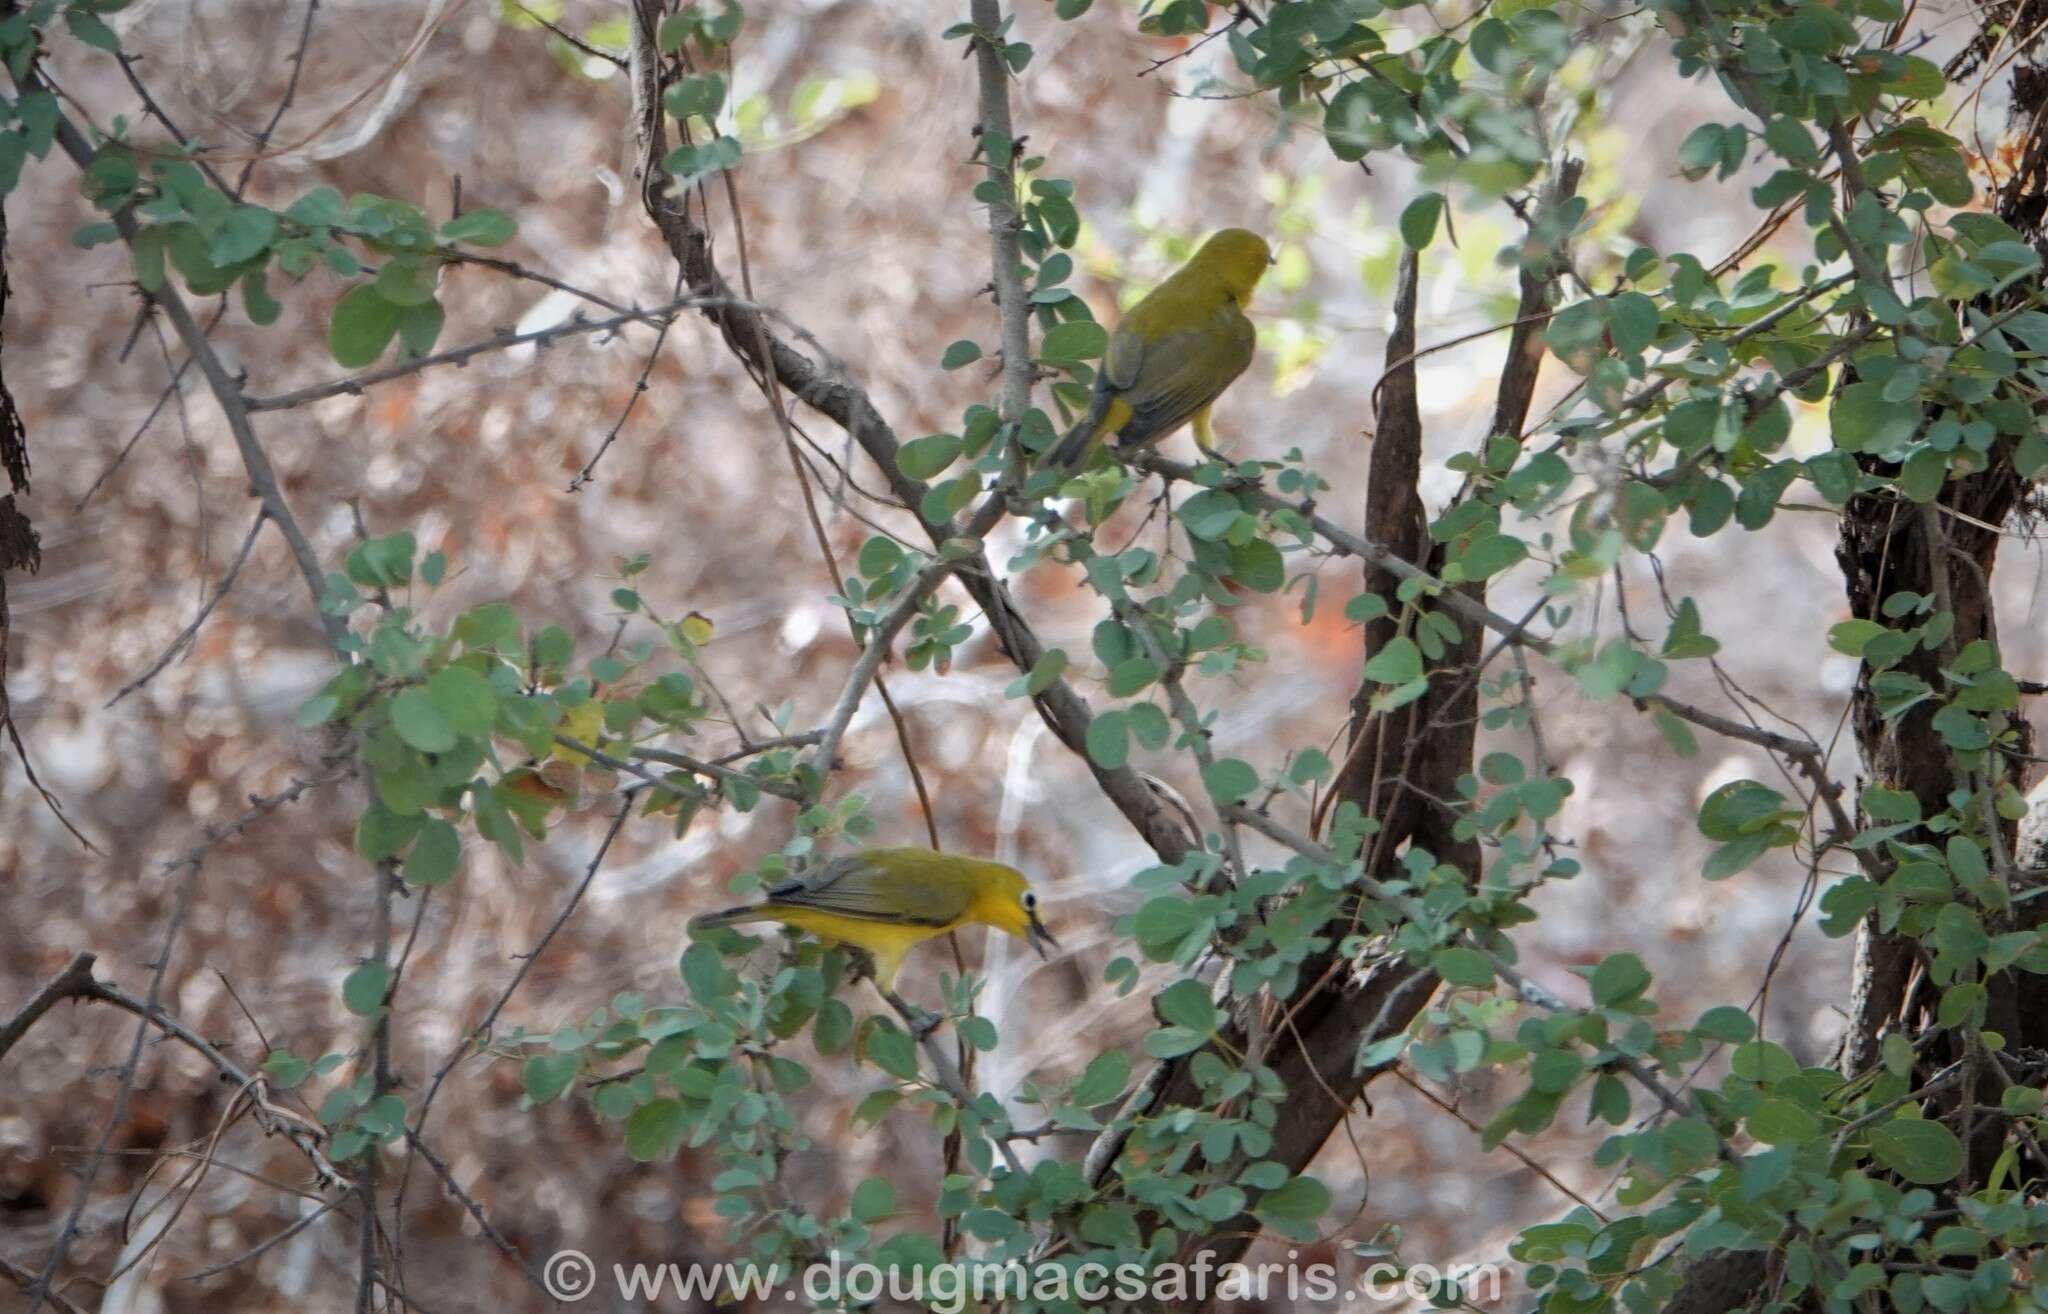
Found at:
[885, 902]
[1175, 352]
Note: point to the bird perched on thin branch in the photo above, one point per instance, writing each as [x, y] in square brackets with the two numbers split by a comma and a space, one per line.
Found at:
[885, 902]
[1174, 353]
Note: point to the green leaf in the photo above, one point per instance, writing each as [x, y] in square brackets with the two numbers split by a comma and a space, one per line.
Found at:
[701, 94]
[1764, 1062]
[1781, 1122]
[1727, 1023]
[1419, 219]
[1129, 677]
[1258, 566]
[419, 327]
[1103, 1079]
[1488, 556]
[1850, 637]
[1863, 421]
[261, 307]
[1049, 667]
[420, 723]
[87, 27]
[1187, 1004]
[1618, 979]
[480, 228]
[1365, 607]
[893, 1051]
[1077, 339]
[286, 1069]
[923, 458]
[382, 833]
[960, 353]
[1462, 966]
[362, 990]
[322, 207]
[1165, 923]
[1398, 663]
[13, 154]
[689, 163]
[833, 1029]
[873, 1200]
[434, 855]
[465, 700]
[1744, 807]
[1109, 742]
[243, 233]
[1632, 322]
[1735, 856]
[1172, 1042]
[876, 1105]
[656, 1129]
[1302, 1200]
[1918, 1149]
[1230, 780]
[363, 325]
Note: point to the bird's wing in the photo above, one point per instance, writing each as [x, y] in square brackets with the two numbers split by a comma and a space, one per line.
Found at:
[851, 886]
[1122, 362]
[1185, 371]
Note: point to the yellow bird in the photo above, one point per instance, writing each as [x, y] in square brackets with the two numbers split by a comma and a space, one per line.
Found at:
[1175, 352]
[885, 902]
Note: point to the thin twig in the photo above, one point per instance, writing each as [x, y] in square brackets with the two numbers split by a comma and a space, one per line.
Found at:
[190, 632]
[885, 629]
[1350, 544]
[462, 355]
[186, 870]
[490, 1018]
[262, 478]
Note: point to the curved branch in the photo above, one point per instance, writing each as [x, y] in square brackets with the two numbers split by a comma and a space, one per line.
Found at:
[751, 338]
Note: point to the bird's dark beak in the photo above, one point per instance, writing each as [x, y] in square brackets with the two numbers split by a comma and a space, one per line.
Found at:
[1039, 938]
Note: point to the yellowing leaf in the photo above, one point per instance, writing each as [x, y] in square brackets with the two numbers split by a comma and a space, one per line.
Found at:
[583, 723]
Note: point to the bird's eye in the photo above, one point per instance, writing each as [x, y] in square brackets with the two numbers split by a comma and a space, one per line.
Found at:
[1030, 901]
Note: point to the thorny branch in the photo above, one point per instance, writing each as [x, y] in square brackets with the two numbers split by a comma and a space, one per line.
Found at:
[185, 870]
[262, 478]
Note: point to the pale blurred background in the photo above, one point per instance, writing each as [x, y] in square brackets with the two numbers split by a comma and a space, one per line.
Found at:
[858, 226]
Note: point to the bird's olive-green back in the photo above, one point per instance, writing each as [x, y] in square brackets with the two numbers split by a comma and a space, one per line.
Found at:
[1186, 341]
[908, 885]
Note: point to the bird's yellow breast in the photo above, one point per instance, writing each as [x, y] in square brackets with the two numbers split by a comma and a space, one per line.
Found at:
[887, 941]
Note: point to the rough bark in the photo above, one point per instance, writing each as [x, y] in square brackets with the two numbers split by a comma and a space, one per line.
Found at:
[1886, 547]
[20, 549]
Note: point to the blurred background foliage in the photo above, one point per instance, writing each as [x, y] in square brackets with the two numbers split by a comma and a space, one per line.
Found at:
[855, 125]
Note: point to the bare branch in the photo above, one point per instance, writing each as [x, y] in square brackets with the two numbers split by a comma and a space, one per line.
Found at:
[190, 632]
[462, 355]
[262, 478]
[999, 149]
[187, 870]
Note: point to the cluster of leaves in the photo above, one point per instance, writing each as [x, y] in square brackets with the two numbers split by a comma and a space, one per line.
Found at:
[186, 222]
[28, 121]
[187, 218]
[483, 724]
[474, 721]
[699, 98]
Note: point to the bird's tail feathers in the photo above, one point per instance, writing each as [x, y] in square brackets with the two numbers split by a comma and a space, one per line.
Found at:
[1072, 453]
[711, 921]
